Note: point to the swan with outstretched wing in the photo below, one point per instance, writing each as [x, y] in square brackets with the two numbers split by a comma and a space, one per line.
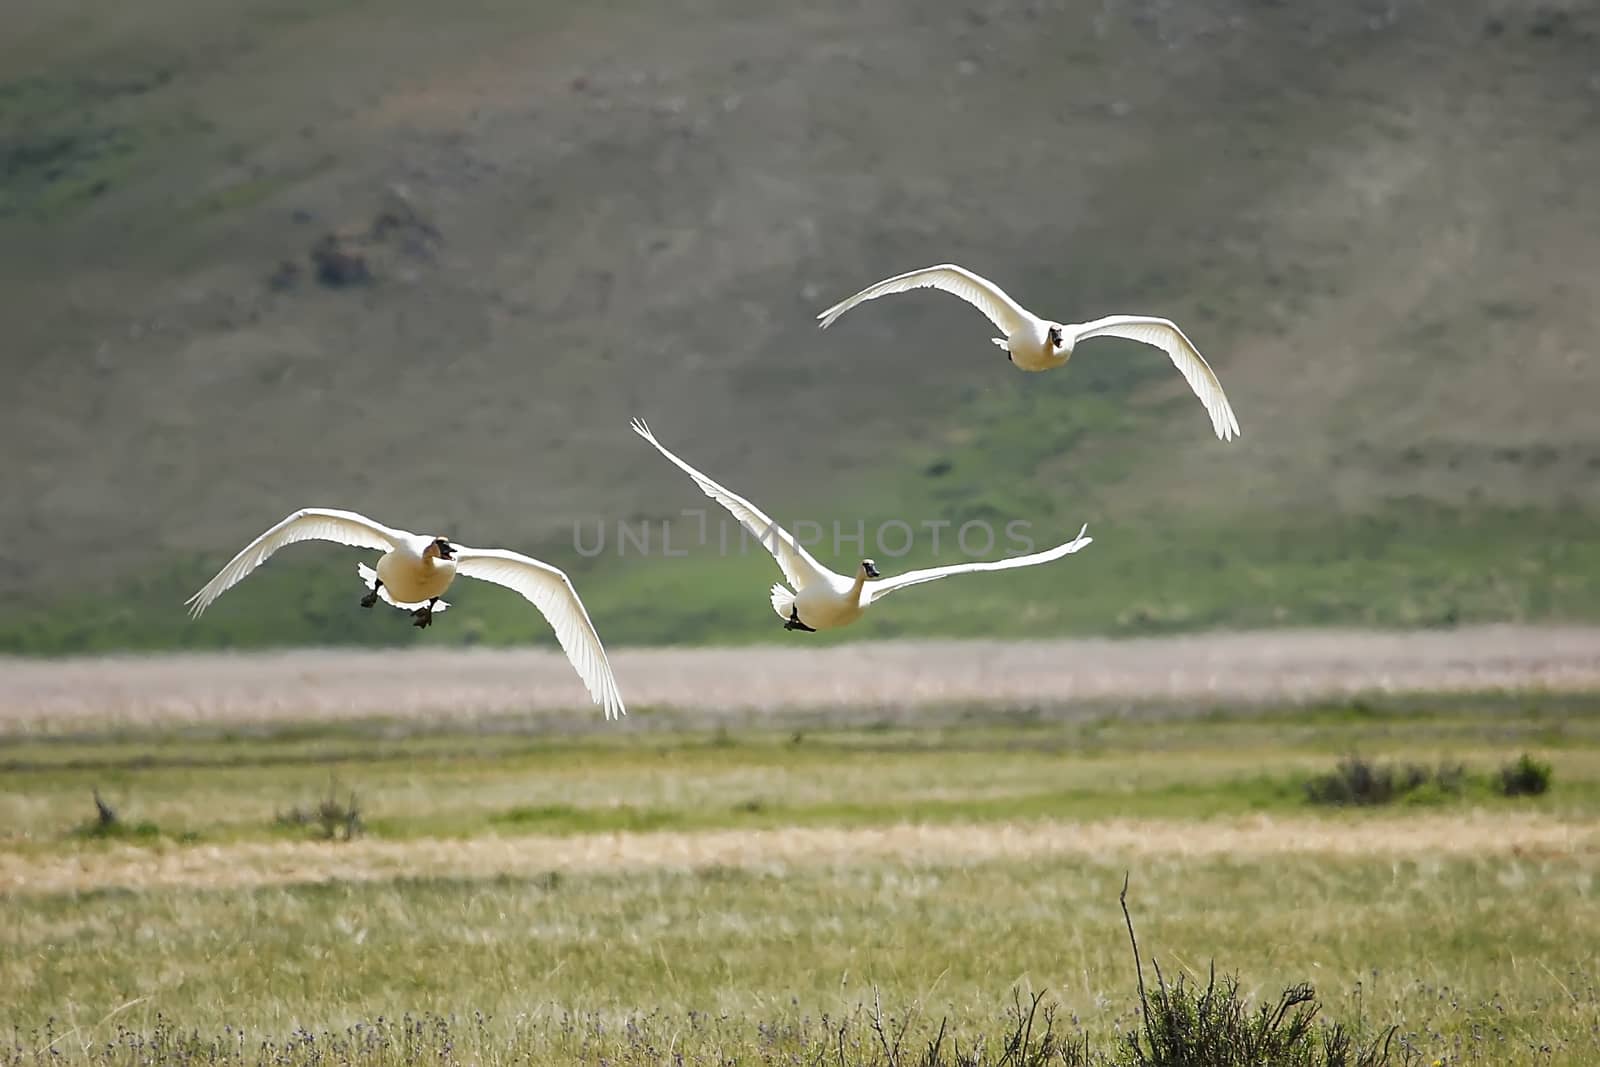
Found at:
[416, 569]
[823, 599]
[1035, 344]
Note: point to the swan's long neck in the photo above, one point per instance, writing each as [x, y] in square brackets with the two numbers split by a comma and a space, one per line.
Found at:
[855, 590]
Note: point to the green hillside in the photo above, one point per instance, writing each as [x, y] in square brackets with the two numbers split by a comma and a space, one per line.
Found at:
[1376, 221]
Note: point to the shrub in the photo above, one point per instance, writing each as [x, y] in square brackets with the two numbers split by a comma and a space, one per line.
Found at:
[330, 817]
[1525, 777]
[1187, 1027]
[1357, 781]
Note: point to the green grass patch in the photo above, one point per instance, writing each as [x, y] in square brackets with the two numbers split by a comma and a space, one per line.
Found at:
[431, 782]
[107, 825]
[68, 140]
[147, 832]
[1407, 566]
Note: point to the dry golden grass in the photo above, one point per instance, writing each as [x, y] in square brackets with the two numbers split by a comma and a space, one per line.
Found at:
[454, 685]
[248, 864]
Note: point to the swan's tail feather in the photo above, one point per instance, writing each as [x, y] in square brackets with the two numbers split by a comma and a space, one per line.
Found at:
[782, 602]
[368, 576]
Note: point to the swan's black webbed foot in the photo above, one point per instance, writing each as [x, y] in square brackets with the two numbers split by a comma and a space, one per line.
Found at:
[794, 622]
[422, 618]
[372, 597]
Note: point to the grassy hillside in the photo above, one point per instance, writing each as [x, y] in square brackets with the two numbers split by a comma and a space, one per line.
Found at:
[1374, 222]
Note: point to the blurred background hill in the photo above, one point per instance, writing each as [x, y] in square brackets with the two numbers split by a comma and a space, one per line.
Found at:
[425, 261]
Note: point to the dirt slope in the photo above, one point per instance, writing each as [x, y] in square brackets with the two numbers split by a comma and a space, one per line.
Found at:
[1377, 220]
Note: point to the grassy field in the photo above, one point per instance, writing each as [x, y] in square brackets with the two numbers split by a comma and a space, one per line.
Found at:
[628, 895]
[1404, 566]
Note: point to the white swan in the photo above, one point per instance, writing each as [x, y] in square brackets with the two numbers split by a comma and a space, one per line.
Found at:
[1036, 344]
[414, 572]
[822, 599]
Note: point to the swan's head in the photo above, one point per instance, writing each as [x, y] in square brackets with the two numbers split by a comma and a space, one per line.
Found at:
[869, 569]
[1055, 338]
[438, 547]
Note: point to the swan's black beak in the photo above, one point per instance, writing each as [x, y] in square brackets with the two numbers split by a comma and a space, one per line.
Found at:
[872, 569]
[445, 551]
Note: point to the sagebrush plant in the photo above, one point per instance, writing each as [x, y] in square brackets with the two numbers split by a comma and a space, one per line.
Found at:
[1189, 1027]
[1524, 777]
[1359, 781]
[331, 818]
[1186, 1027]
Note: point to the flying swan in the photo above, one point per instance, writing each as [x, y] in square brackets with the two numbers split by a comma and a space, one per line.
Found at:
[822, 599]
[415, 571]
[1035, 344]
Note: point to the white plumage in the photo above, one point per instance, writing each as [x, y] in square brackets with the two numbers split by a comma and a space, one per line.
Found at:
[415, 570]
[1035, 344]
[823, 599]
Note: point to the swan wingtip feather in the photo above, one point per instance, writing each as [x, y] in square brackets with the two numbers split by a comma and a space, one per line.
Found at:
[197, 603]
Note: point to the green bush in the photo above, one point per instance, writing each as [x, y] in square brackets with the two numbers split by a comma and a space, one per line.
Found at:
[1186, 1027]
[1525, 777]
[1357, 781]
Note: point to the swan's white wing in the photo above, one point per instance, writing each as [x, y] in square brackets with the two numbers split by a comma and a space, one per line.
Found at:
[550, 590]
[876, 591]
[980, 292]
[307, 524]
[1165, 335]
[796, 563]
